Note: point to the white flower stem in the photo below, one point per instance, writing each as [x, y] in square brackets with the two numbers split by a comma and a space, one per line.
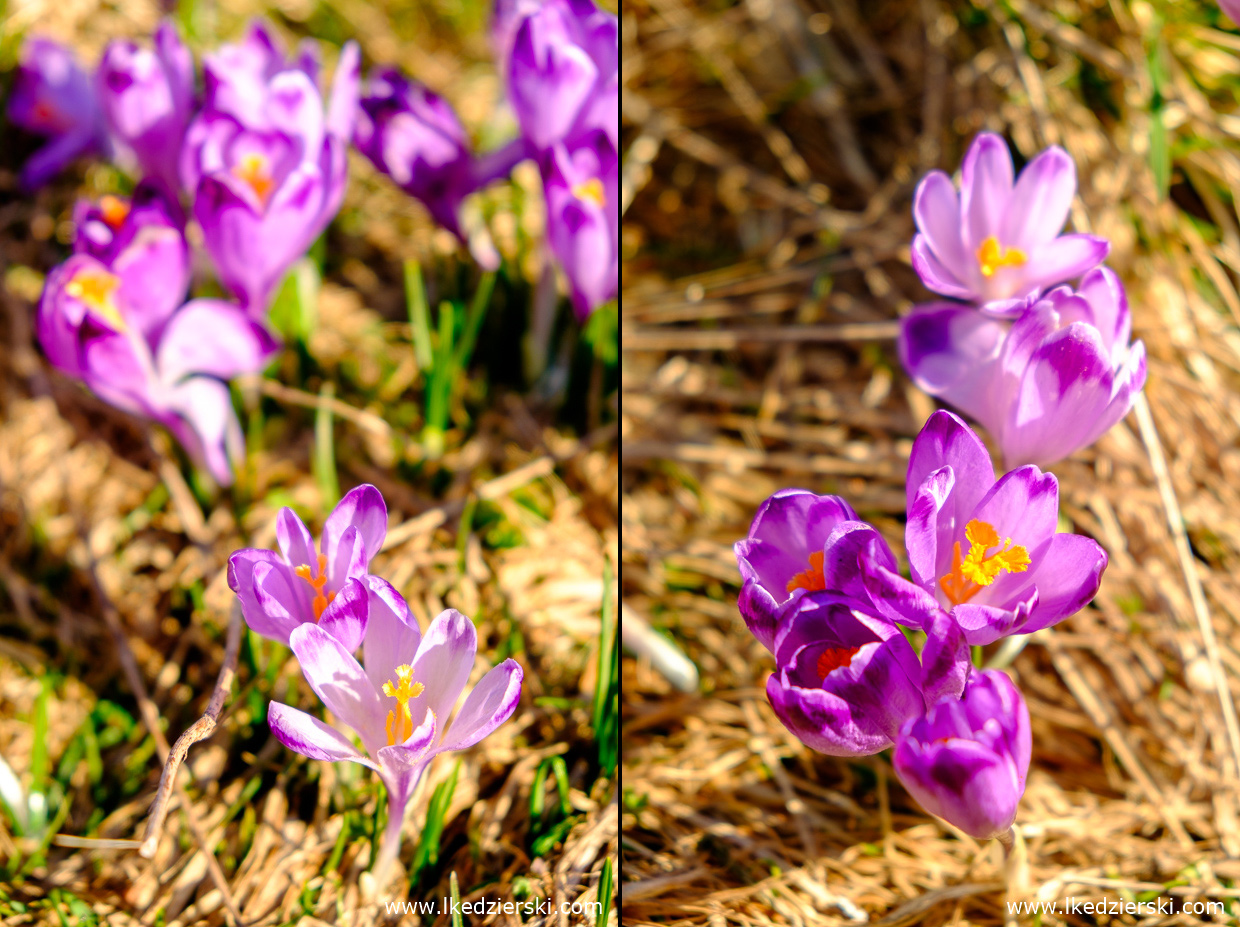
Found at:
[389, 849]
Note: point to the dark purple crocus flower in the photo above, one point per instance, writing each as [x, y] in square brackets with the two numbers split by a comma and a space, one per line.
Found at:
[581, 181]
[262, 195]
[846, 679]
[108, 227]
[300, 585]
[967, 759]
[563, 69]
[112, 316]
[147, 96]
[1046, 385]
[800, 543]
[53, 97]
[982, 549]
[998, 241]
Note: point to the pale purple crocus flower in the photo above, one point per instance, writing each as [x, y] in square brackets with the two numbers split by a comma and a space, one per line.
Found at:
[1231, 8]
[112, 316]
[998, 241]
[105, 228]
[303, 584]
[581, 182]
[801, 543]
[147, 96]
[264, 187]
[399, 700]
[1046, 385]
[562, 68]
[52, 96]
[847, 678]
[985, 551]
[967, 759]
[238, 75]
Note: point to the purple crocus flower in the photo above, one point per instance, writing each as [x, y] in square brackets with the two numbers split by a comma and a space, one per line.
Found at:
[998, 242]
[798, 544]
[847, 678]
[106, 228]
[582, 186]
[1231, 8]
[967, 759]
[279, 592]
[562, 70]
[398, 700]
[1052, 382]
[52, 96]
[982, 549]
[238, 76]
[267, 185]
[147, 96]
[112, 316]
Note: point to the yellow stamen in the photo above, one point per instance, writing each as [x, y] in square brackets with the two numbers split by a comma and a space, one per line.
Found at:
[992, 255]
[321, 598]
[400, 719]
[591, 190]
[96, 287]
[810, 580]
[115, 210]
[975, 570]
[253, 169]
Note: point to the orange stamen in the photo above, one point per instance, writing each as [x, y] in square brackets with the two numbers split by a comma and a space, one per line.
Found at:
[810, 580]
[975, 570]
[992, 255]
[114, 209]
[253, 169]
[833, 658]
[321, 599]
[400, 719]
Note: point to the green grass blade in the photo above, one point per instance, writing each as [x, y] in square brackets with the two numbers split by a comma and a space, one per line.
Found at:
[325, 449]
[604, 892]
[606, 686]
[427, 853]
[419, 315]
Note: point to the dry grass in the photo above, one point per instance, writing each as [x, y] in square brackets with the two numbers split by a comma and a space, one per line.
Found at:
[512, 525]
[773, 151]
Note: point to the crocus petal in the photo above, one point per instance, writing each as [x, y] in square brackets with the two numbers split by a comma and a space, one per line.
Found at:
[898, 600]
[1040, 200]
[349, 560]
[206, 425]
[923, 528]
[1067, 257]
[936, 210]
[950, 351]
[210, 336]
[295, 540]
[491, 702]
[346, 615]
[341, 683]
[392, 633]
[985, 188]
[935, 274]
[444, 661]
[984, 624]
[281, 608]
[241, 565]
[824, 721]
[945, 659]
[1067, 579]
[363, 507]
[307, 735]
[412, 752]
[1023, 505]
[346, 82]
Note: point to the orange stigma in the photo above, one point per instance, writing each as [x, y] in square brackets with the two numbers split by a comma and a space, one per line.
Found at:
[975, 570]
[96, 288]
[992, 255]
[253, 169]
[833, 658]
[114, 209]
[591, 190]
[810, 580]
[400, 719]
[321, 599]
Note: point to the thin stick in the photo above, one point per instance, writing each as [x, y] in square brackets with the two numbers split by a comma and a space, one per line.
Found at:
[199, 730]
[646, 339]
[1175, 521]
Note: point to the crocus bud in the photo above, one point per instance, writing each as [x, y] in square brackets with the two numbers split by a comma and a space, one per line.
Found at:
[582, 187]
[147, 96]
[413, 135]
[966, 759]
[53, 97]
[998, 242]
[563, 68]
[1052, 382]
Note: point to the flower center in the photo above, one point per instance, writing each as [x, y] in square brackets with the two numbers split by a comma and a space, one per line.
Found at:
[992, 255]
[400, 719]
[96, 288]
[591, 190]
[321, 598]
[833, 658]
[114, 210]
[975, 569]
[810, 580]
[254, 171]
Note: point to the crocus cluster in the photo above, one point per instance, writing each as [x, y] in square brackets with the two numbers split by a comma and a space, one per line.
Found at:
[322, 601]
[560, 63]
[1038, 345]
[260, 161]
[822, 591]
